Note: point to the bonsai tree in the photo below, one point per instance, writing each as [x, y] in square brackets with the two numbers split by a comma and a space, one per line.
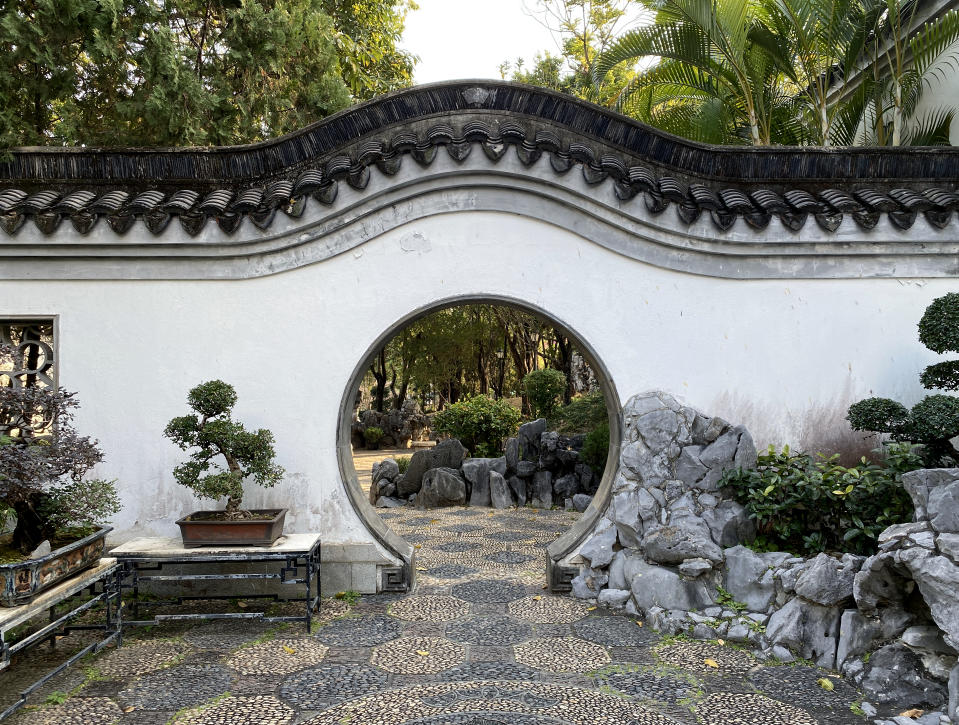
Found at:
[934, 420]
[43, 461]
[211, 433]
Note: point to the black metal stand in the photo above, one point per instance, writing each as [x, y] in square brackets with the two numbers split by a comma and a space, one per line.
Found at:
[102, 585]
[135, 563]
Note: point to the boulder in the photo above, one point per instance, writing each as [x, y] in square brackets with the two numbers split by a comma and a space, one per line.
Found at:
[476, 472]
[856, 635]
[920, 485]
[881, 583]
[810, 630]
[695, 567]
[566, 486]
[729, 523]
[589, 583]
[675, 543]
[632, 512]
[512, 453]
[390, 503]
[581, 501]
[828, 581]
[599, 548]
[499, 491]
[938, 581]
[518, 486]
[613, 598]
[948, 544]
[498, 464]
[542, 490]
[895, 677]
[944, 507]
[658, 429]
[587, 479]
[442, 487]
[528, 438]
[656, 586]
[688, 468]
[952, 709]
[447, 454]
[525, 469]
[385, 469]
[749, 578]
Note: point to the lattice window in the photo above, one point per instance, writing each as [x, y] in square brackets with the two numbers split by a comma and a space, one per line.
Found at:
[27, 353]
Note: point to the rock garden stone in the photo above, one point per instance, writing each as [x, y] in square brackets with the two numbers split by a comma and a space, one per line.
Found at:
[895, 676]
[387, 468]
[446, 454]
[694, 567]
[566, 486]
[948, 544]
[656, 586]
[525, 469]
[674, 544]
[599, 549]
[518, 487]
[389, 502]
[442, 487]
[938, 581]
[728, 523]
[512, 453]
[828, 581]
[614, 598]
[528, 437]
[749, 578]
[542, 490]
[856, 635]
[581, 501]
[476, 473]
[920, 485]
[808, 629]
[499, 491]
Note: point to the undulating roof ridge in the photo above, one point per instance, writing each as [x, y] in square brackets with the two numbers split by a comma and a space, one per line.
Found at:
[227, 184]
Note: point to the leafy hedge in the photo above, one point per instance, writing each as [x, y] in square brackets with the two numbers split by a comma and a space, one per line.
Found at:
[480, 423]
[544, 390]
[807, 504]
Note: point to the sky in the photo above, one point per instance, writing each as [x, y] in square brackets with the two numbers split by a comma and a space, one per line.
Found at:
[460, 39]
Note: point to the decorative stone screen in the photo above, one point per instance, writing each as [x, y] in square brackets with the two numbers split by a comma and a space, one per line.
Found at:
[33, 361]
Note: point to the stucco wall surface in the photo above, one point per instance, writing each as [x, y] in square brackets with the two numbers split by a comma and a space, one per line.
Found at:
[769, 350]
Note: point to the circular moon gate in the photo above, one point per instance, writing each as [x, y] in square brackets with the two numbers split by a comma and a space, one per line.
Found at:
[559, 573]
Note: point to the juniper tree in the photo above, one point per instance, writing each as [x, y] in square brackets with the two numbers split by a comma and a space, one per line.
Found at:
[210, 433]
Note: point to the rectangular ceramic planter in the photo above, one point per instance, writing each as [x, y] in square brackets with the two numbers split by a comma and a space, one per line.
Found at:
[21, 581]
[245, 532]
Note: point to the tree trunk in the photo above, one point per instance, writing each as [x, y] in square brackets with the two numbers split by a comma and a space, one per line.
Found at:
[31, 529]
[378, 368]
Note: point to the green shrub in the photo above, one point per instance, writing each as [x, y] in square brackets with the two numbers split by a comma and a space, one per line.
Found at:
[596, 448]
[403, 462]
[212, 432]
[806, 505]
[934, 420]
[480, 423]
[544, 388]
[373, 435]
[582, 414]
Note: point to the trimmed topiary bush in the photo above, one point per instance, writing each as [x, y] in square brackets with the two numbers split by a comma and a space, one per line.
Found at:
[209, 433]
[480, 423]
[934, 420]
[807, 504]
[544, 390]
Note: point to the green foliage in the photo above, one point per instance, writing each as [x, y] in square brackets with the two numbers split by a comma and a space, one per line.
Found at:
[934, 420]
[544, 390]
[373, 435]
[596, 448]
[116, 72]
[807, 505]
[726, 600]
[211, 432]
[350, 596]
[80, 505]
[480, 423]
[582, 414]
[403, 462]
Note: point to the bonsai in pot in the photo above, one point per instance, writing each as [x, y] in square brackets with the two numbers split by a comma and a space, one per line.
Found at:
[43, 465]
[222, 455]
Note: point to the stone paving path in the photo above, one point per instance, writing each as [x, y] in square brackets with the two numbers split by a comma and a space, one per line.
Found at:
[479, 642]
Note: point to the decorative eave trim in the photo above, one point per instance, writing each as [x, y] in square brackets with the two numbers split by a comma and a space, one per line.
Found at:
[48, 186]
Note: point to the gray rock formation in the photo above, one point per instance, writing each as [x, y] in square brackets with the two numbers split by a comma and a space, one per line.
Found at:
[828, 581]
[476, 472]
[808, 629]
[499, 491]
[447, 454]
[542, 490]
[894, 675]
[441, 487]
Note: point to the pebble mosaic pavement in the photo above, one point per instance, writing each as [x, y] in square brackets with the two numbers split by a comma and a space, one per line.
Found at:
[479, 642]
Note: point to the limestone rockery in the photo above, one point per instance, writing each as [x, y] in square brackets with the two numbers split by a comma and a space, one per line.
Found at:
[670, 548]
[541, 469]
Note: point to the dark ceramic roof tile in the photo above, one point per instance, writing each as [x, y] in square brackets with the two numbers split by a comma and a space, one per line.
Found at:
[146, 201]
[216, 202]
